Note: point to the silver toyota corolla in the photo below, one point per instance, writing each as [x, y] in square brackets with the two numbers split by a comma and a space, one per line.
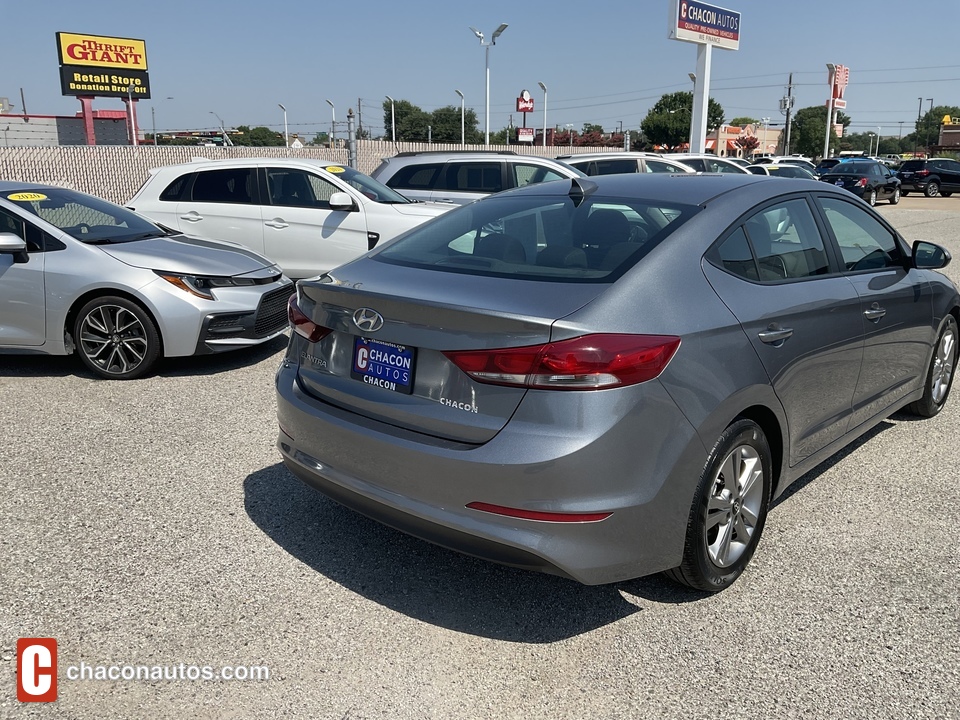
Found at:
[612, 377]
[79, 274]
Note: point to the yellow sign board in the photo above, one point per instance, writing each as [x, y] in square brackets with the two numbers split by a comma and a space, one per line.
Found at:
[26, 197]
[100, 51]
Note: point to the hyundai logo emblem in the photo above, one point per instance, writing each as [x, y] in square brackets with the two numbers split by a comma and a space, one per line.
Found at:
[367, 319]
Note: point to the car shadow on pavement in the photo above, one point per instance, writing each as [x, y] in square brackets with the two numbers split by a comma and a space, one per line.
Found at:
[433, 584]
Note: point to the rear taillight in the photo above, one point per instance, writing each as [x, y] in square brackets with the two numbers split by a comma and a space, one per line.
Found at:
[588, 362]
[922, 173]
[862, 182]
[302, 325]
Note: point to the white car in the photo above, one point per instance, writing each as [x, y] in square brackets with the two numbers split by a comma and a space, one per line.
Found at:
[307, 216]
[707, 163]
[609, 163]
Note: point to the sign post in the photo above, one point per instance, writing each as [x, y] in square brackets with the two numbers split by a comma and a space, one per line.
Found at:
[837, 77]
[707, 26]
[525, 105]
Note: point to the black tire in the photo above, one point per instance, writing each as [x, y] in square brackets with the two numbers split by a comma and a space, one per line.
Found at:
[946, 194]
[116, 338]
[939, 377]
[895, 198]
[871, 198]
[904, 192]
[932, 189]
[716, 552]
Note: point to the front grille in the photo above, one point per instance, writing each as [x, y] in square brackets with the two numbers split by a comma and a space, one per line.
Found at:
[272, 313]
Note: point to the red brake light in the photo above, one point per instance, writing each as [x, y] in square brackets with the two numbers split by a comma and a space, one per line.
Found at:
[588, 362]
[862, 182]
[538, 515]
[922, 173]
[302, 325]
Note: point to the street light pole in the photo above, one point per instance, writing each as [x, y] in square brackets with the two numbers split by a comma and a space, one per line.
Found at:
[333, 126]
[153, 118]
[463, 122]
[393, 120]
[286, 136]
[570, 133]
[765, 122]
[487, 46]
[544, 88]
[878, 141]
[223, 132]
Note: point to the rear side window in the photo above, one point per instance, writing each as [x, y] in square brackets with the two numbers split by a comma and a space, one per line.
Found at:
[782, 242]
[661, 167]
[613, 167]
[540, 237]
[415, 177]
[865, 243]
[233, 185]
[176, 190]
[478, 177]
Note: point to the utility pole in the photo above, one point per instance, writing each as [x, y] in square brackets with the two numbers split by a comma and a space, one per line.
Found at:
[359, 119]
[786, 107]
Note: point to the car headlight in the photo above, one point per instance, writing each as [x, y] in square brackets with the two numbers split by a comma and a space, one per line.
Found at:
[202, 285]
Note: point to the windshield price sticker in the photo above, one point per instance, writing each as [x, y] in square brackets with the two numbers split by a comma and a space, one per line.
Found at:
[26, 197]
[383, 364]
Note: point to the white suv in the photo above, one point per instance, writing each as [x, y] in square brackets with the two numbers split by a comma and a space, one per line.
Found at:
[307, 216]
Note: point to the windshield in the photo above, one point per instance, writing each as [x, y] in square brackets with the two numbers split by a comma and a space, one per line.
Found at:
[84, 217]
[376, 191]
[540, 237]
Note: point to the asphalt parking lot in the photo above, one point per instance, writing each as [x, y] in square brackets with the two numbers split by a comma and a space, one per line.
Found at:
[150, 523]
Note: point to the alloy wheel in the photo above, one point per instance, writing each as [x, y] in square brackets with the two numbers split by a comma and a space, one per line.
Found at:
[113, 339]
[734, 506]
[943, 363]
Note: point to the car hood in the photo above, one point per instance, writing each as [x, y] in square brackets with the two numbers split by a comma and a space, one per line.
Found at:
[184, 254]
[423, 209]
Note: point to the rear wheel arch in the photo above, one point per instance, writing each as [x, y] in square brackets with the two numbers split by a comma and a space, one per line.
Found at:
[768, 422]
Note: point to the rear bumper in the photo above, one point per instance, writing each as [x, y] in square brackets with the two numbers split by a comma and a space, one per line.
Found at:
[422, 485]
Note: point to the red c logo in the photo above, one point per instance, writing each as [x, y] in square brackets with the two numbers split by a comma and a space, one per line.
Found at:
[36, 669]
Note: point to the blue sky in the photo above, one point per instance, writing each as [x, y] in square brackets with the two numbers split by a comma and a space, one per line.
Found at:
[603, 62]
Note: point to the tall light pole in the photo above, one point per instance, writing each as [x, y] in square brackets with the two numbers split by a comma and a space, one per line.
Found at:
[333, 126]
[153, 117]
[878, 141]
[133, 116]
[286, 136]
[393, 121]
[870, 141]
[544, 88]
[223, 132]
[463, 122]
[765, 121]
[569, 127]
[487, 46]
[916, 130]
[926, 132]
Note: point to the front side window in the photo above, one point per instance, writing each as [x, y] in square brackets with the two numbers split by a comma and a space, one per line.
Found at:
[656, 166]
[234, 185]
[299, 188]
[526, 174]
[416, 177]
[540, 237]
[865, 243]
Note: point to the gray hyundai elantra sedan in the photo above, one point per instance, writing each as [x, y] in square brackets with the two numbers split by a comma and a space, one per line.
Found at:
[613, 377]
[81, 275]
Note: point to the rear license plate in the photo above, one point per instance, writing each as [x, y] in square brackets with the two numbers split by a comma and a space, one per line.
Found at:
[839, 182]
[383, 364]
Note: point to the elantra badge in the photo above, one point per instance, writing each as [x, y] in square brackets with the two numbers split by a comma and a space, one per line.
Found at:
[367, 319]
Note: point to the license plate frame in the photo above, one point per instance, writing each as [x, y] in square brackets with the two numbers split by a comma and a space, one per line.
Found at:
[384, 364]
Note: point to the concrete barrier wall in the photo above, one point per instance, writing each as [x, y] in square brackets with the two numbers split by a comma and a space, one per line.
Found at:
[115, 173]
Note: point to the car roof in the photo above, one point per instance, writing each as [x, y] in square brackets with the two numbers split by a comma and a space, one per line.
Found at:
[611, 154]
[674, 188]
[200, 162]
[7, 185]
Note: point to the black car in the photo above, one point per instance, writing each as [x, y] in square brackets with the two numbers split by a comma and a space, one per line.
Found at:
[936, 176]
[826, 165]
[867, 179]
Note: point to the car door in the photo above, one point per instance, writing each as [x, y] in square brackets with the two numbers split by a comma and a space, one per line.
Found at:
[895, 303]
[224, 204]
[22, 295]
[800, 315]
[949, 176]
[301, 233]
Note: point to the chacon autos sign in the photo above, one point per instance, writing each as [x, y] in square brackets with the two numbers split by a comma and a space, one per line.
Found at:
[103, 66]
[699, 22]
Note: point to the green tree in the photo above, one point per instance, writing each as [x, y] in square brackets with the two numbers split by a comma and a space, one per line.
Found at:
[927, 132]
[446, 125]
[411, 121]
[741, 121]
[259, 136]
[668, 122]
[810, 128]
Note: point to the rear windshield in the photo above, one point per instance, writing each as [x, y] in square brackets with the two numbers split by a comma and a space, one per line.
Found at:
[911, 165]
[541, 237]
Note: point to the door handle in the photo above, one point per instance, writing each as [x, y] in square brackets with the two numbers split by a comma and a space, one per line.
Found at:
[276, 223]
[874, 313]
[775, 335]
[192, 217]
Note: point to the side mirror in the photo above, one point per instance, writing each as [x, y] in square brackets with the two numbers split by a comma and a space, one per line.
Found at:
[929, 256]
[342, 201]
[15, 245]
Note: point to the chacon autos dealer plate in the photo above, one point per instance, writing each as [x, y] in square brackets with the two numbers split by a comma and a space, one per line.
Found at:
[383, 364]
